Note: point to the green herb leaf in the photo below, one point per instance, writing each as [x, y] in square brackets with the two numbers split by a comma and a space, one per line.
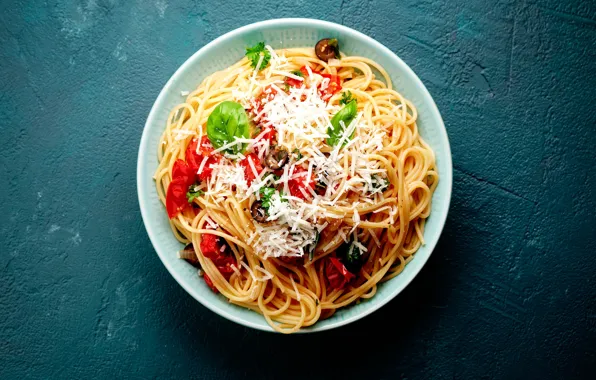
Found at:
[297, 153]
[346, 97]
[254, 54]
[334, 43]
[379, 182]
[228, 121]
[194, 192]
[353, 258]
[346, 115]
[266, 193]
[298, 73]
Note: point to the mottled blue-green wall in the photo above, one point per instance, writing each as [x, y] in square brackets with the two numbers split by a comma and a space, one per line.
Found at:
[510, 292]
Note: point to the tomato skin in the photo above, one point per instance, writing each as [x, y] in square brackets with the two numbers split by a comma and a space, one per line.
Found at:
[269, 135]
[294, 82]
[182, 172]
[210, 283]
[195, 159]
[295, 184]
[326, 93]
[249, 175]
[215, 249]
[182, 177]
[337, 274]
[333, 87]
[210, 246]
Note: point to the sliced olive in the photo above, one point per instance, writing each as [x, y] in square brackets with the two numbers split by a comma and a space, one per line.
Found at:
[258, 212]
[327, 48]
[277, 158]
[189, 254]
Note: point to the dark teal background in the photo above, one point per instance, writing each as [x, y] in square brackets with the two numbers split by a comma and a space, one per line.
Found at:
[509, 293]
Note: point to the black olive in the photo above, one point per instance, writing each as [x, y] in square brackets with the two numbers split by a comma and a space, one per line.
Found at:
[277, 158]
[327, 48]
[258, 212]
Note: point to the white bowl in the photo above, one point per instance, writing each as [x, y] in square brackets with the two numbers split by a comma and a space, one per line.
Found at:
[223, 52]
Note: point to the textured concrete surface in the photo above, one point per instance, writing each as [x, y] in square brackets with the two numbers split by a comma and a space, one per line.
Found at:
[510, 291]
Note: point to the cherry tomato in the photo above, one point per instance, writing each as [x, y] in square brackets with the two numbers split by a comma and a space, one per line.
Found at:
[337, 274]
[249, 174]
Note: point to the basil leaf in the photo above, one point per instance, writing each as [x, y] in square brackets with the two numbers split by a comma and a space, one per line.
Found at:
[345, 115]
[227, 121]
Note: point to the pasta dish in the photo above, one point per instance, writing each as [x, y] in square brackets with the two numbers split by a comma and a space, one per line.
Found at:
[297, 180]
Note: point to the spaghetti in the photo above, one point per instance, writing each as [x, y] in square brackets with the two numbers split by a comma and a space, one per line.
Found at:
[298, 183]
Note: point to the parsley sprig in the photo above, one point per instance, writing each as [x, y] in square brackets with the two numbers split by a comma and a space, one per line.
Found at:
[346, 98]
[254, 54]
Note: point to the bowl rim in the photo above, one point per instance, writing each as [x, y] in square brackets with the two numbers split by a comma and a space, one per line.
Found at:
[143, 193]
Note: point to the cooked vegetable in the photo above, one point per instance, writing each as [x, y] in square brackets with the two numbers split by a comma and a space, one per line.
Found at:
[227, 122]
[254, 54]
[194, 192]
[353, 258]
[340, 122]
[189, 254]
[346, 98]
[258, 212]
[277, 158]
[327, 48]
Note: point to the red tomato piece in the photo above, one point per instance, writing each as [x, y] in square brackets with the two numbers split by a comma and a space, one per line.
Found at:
[182, 177]
[304, 71]
[269, 135]
[337, 273]
[210, 246]
[210, 283]
[224, 264]
[294, 82]
[215, 249]
[182, 172]
[176, 198]
[296, 184]
[249, 174]
[332, 88]
[195, 159]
